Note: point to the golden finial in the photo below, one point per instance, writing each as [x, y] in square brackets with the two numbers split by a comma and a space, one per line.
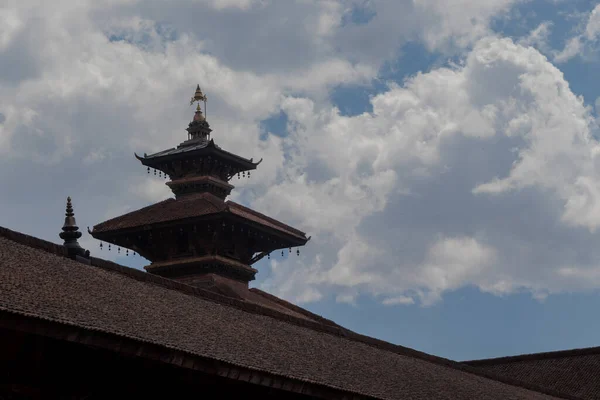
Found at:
[198, 96]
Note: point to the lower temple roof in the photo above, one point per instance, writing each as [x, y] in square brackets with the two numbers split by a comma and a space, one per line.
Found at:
[192, 206]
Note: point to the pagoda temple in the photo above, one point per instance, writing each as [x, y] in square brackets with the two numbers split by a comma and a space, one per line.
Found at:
[199, 236]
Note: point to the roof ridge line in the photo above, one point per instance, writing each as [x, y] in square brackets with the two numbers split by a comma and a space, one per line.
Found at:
[456, 365]
[58, 250]
[207, 294]
[545, 355]
[292, 306]
[33, 242]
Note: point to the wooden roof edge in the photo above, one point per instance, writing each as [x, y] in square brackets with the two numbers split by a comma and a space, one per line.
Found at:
[130, 346]
[585, 351]
[178, 152]
[261, 310]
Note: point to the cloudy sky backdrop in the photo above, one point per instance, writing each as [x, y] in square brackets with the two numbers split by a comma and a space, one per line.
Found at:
[443, 154]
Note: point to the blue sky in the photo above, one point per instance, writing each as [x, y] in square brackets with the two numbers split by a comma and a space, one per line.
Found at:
[442, 156]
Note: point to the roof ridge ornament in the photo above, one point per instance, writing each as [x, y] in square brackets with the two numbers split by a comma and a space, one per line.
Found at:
[70, 233]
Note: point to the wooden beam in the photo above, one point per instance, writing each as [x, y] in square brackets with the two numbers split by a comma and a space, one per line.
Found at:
[258, 257]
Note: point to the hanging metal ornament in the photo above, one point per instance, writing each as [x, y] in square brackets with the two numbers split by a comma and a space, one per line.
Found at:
[148, 169]
[160, 174]
[248, 174]
[269, 256]
[290, 250]
[238, 175]
[154, 172]
[109, 247]
[298, 252]
[127, 253]
[281, 253]
[100, 245]
[119, 250]
[243, 174]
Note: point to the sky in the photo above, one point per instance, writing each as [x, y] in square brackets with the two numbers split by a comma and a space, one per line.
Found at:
[443, 155]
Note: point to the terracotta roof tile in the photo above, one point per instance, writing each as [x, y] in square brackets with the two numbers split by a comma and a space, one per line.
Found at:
[574, 372]
[37, 283]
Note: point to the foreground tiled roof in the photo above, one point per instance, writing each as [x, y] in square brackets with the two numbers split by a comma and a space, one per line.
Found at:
[575, 372]
[191, 206]
[37, 281]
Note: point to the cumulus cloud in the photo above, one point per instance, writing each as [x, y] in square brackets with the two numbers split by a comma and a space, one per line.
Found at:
[487, 154]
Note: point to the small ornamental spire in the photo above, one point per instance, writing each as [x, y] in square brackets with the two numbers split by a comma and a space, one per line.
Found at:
[70, 233]
[199, 96]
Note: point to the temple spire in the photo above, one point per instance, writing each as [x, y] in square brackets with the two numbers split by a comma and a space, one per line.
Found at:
[198, 129]
[70, 233]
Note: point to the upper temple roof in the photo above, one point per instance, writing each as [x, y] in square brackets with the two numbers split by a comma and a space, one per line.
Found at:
[199, 148]
[37, 281]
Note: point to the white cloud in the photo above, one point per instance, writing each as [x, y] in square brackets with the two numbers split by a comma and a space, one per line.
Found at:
[228, 4]
[538, 37]
[584, 43]
[460, 21]
[500, 126]
[392, 301]
[10, 24]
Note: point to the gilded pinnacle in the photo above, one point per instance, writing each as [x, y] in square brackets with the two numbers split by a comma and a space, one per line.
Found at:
[198, 96]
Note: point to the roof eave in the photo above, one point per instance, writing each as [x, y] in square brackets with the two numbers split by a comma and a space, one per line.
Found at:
[242, 163]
